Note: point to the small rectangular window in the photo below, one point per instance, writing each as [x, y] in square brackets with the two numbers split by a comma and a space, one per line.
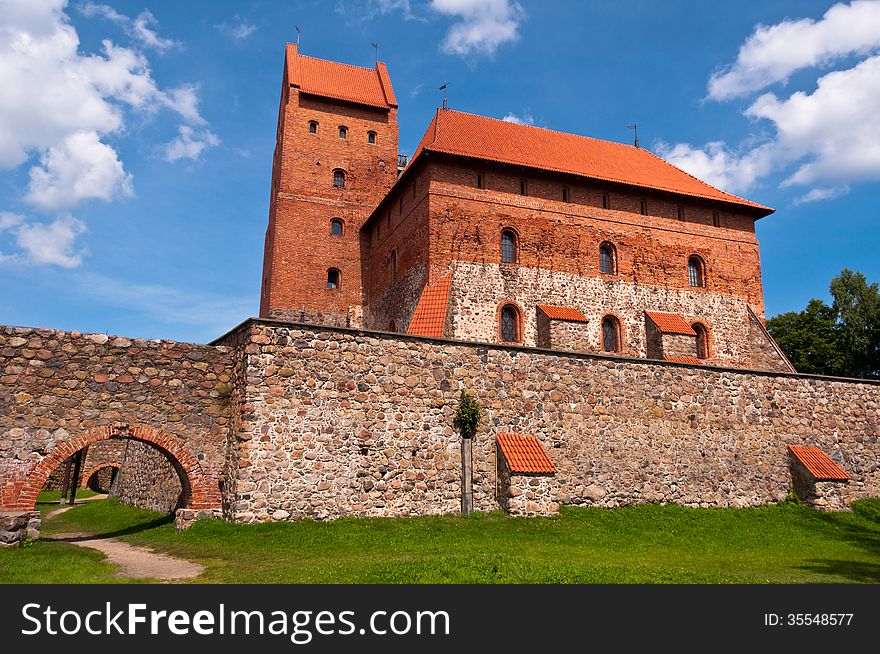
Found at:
[371, 137]
[681, 213]
[480, 183]
[606, 201]
[643, 207]
[716, 219]
[523, 187]
[564, 194]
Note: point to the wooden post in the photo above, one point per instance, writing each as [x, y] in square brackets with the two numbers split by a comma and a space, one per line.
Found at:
[77, 471]
[65, 484]
[467, 476]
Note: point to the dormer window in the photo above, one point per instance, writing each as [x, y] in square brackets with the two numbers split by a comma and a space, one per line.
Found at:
[343, 132]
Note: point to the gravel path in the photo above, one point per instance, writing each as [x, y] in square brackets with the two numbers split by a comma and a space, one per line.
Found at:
[133, 561]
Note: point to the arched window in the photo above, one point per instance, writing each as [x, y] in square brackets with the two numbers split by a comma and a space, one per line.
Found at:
[313, 127]
[339, 178]
[508, 246]
[343, 132]
[393, 264]
[333, 278]
[610, 334]
[607, 259]
[509, 324]
[336, 227]
[696, 276]
[702, 340]
[371, 137]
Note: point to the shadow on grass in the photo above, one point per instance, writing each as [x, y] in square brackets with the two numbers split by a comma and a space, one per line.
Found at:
[868, 573]
[133, 529]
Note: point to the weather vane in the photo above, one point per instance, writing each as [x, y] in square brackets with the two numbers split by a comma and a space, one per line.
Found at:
[635, 128]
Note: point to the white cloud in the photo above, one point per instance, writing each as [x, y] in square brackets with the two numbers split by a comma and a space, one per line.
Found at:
[716, 164]
[483, 27]
[9, 220]
[772, 53]
[212, 312]
[141, 28]
[51, 243]
[60, 104]
[237, 30]
[819, 194]
[826, 138]
[525, 119]
[189, 144]
[80, 168]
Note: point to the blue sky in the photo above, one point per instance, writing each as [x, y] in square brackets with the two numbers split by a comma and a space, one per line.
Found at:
[136, 138]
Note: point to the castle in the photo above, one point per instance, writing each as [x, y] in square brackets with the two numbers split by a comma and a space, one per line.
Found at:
[604, 307]
[499, 232]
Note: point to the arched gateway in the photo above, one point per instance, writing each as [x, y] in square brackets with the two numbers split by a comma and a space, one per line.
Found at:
[201, 492]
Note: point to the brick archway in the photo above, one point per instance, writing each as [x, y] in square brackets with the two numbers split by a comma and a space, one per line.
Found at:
[84, 480]
[200, 491]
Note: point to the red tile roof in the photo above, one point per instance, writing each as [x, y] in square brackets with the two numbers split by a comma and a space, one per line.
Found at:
[562, 313]
[469, 135]
[524, 453]
[818, 463]
[329, 79]
[429, 318]
[670, 323]
[693, 360]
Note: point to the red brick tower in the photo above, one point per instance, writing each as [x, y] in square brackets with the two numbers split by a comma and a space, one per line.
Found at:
[335, 159]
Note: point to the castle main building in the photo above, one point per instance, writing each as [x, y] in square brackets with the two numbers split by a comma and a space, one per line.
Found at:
[602, 306]
[501, 233]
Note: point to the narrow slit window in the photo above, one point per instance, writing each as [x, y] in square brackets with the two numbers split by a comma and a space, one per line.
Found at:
[610, 334]
[716, 219]
[393, 265]
[643, 207]
[680, 212]
[606, 201]
[313, 127]
[696, 273]
[508, 246]
[565, 194]
[480, 182]
[509, 324]
[523, 187]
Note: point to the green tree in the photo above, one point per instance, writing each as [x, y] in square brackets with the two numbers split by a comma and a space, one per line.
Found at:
[809, 338]
[857, 305]
[843, 339]
[467, 419]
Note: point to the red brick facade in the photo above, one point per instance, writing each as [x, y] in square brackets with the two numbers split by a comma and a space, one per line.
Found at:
[446, 214]
[301, 246]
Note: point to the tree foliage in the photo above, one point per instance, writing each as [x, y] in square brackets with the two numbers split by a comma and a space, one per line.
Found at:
[467, 414]
[841, 339]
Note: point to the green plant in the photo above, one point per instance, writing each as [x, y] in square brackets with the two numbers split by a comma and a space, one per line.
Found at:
[467, 414]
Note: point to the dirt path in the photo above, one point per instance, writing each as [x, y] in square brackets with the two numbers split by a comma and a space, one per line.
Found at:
[68, 507]
[133, 561]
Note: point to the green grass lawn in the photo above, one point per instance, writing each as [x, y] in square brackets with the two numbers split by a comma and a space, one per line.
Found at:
[783, 543]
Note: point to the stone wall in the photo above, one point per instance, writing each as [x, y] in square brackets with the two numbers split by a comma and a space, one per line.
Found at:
[765, 354]
[823, 495]
[568, 335]
[58, 388]
[478, 290]
[340, 422]
[679, 345]
[148, 479]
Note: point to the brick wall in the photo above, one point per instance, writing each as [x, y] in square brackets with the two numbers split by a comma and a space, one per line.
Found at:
[299, 248]
[351, 423]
